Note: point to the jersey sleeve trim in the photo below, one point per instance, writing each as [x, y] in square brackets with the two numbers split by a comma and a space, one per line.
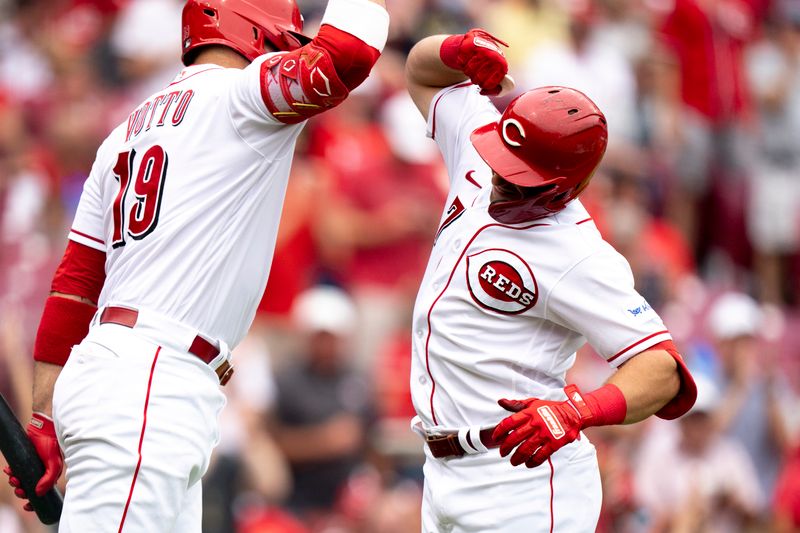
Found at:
[365, 20]
[87, 240]
[435, 104]
[639, 346]
[192, 75]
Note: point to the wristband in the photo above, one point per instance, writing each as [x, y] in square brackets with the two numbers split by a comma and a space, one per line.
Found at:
[448, 52]
[607, 405]
[64, 323]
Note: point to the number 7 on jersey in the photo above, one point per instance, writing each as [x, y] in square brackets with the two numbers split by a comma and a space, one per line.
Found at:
[148, 188]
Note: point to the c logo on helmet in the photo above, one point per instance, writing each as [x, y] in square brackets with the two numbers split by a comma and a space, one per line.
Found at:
[512, 122]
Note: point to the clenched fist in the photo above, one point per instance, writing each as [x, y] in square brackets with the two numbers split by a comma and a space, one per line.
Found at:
[42, 433]
[540, 427]
[477, 54]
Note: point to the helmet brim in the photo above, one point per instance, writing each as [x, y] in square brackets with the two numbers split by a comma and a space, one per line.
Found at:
[488, 142]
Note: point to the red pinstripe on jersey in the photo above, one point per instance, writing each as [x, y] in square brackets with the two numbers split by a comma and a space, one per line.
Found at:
[430, 311]
[193, 75]
[95, 239]
[141, 440]
[637, 343]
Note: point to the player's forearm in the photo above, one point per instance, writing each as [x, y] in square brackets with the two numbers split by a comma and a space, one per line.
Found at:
[46, 372]
[340, 436]
[44, 379]
[425, 68]
[648, 381]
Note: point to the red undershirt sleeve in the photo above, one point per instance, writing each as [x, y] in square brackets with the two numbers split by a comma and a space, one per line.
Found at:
[65, 322]
[687, 394]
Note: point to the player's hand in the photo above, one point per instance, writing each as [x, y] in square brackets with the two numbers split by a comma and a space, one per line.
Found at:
[479, 55]
[538, 427]
[42, 433]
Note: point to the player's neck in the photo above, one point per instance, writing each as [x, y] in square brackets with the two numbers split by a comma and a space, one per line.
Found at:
[221, 56]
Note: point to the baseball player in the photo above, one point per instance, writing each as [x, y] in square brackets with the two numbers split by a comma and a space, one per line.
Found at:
[169, 255]
[518, 280]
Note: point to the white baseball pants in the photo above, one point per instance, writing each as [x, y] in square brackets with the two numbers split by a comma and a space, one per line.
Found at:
[137, 421]
[484, 493]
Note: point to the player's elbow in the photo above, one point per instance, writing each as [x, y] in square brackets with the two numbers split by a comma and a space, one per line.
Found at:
[352, 58]
[674, 383]
[670, 386]
[662, 377]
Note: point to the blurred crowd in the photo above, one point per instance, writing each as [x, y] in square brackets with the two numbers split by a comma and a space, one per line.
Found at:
[700, 190]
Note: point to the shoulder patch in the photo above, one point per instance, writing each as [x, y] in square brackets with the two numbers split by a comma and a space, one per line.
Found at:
[501, 281]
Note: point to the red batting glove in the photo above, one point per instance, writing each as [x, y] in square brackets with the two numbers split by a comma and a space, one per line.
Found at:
[477, 54]
[42, 433]
[540, 427]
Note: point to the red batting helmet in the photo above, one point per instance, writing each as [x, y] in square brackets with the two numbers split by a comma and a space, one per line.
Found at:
[245, 26]
[550, 138]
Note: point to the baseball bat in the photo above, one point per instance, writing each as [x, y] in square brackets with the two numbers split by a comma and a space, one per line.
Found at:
[26, 465]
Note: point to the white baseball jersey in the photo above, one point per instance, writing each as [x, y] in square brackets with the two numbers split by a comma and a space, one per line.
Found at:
[185, 198]
[503, 308]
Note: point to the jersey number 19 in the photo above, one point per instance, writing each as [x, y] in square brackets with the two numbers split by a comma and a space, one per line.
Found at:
[147, 189]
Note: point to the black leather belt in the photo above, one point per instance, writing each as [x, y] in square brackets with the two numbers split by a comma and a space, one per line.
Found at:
[449, 445]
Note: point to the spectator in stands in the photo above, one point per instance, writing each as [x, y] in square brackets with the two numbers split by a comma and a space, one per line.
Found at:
[787, 496]
[706, 40]
[322, 412]
[748, 412]
[378, 220]
[773, 215]
[696, 479]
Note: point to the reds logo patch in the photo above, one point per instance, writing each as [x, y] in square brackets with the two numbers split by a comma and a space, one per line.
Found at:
[501, 281]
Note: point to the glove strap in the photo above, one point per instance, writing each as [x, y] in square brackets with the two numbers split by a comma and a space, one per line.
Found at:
[575, 398]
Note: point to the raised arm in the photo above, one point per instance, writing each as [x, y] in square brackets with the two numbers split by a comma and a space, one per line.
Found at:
[302, 83]
[444, 60]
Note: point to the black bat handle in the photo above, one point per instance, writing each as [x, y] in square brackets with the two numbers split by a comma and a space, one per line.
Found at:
[27, 466]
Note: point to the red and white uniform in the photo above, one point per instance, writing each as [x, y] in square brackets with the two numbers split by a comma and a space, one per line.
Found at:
[184, 198]
[500, 313]
[215, 176]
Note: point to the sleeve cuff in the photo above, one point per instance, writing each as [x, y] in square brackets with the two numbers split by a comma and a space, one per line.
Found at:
[363, 19]
[87, 240]
[637, 347]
